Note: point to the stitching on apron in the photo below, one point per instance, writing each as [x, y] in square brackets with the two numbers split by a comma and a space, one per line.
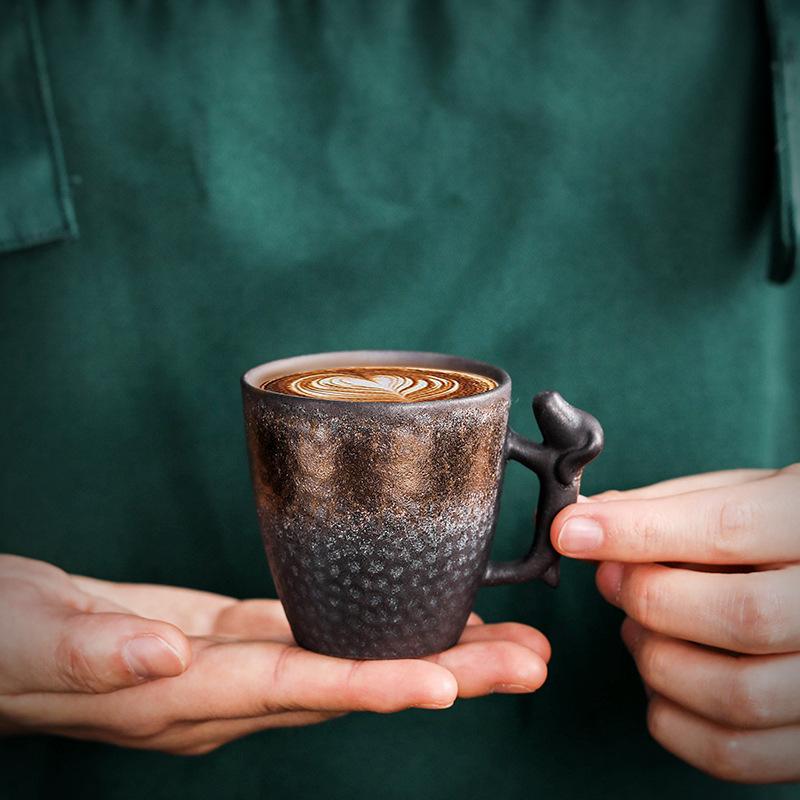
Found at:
[54, 137]
[784, 31]
[61, 197]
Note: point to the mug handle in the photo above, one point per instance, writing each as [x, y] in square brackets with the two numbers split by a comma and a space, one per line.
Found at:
[571, 438]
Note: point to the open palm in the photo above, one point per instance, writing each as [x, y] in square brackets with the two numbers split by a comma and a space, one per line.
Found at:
[245, 673]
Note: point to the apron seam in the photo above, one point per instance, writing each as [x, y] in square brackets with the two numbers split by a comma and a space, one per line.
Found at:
[787, 138]
[54, 143]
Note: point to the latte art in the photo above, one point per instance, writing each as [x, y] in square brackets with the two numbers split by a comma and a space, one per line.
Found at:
[382, 384]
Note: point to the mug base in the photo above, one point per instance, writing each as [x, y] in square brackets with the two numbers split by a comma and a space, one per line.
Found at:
[376, 651]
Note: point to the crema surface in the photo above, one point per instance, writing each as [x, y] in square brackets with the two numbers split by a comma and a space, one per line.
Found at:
[382, 384]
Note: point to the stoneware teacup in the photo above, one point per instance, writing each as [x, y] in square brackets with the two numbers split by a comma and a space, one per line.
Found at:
[378, 518]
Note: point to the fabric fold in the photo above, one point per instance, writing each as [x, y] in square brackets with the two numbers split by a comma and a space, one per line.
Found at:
[35, 200]
[783, 19]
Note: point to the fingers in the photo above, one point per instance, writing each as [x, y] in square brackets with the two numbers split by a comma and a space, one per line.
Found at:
[200, 738]
[717, 526]
[510, 632]
[757, 612]
[107, 651]
[762, 756]
[238, 680]
[689, 483]
[56, 638]
[13, 566]
[235, 680]
[749, 693]
[194, 612]
[484, 667]
[507, 657]
[243, 679]
[64, 643]
[192, 738]
[254, 619]
[265, 676]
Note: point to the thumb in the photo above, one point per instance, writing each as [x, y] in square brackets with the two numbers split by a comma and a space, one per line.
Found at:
[100, 652]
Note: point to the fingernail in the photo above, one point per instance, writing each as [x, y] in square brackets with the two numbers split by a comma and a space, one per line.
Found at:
[150, 656]
[512, 688]
[609, 580]
[580, 535]
[435, 706]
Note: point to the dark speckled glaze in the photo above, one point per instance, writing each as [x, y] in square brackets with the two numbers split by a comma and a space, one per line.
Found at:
[378, 518]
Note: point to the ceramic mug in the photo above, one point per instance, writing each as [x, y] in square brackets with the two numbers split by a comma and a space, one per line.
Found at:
[378, 518]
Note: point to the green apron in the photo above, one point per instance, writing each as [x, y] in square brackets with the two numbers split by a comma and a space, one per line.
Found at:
[583, 193]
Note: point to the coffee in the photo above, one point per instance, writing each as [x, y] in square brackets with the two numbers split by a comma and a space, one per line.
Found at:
[384, 384]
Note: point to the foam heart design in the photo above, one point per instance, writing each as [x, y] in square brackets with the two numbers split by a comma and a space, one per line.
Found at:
[382, 384]
[385, 388]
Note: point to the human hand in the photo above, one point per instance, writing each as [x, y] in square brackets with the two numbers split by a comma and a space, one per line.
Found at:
[70, 664]
[706, 569]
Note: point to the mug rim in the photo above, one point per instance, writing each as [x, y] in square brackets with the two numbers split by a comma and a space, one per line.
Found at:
[252, 379]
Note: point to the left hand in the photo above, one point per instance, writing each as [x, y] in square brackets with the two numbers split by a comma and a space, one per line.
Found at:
[707, 569]
[235, 668]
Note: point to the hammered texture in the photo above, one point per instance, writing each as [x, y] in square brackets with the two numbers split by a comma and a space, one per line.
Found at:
[386, 591]
[377, 525]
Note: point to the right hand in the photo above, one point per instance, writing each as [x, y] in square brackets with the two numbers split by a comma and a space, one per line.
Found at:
[183, 671]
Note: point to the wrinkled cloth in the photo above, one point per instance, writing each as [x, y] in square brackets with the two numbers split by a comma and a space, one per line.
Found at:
[581, 193]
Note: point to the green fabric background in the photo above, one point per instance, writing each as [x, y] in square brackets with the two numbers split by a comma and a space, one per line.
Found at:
[576, 191]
